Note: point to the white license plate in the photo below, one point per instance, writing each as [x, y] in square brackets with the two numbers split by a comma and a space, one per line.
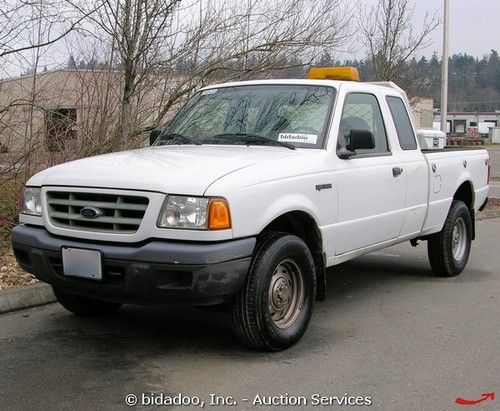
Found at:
[78, 262]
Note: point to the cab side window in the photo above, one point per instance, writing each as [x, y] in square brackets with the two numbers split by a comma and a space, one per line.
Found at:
[362, 112]
[406, 136]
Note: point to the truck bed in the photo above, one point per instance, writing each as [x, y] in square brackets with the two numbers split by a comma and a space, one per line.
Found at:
[449, 169]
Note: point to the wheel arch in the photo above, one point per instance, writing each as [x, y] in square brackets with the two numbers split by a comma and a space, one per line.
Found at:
[304, 226]
[465, 193]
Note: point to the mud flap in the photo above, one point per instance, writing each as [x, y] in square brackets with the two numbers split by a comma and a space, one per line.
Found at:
[320, 263]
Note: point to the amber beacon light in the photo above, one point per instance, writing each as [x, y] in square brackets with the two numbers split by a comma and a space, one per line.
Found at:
[333, 73]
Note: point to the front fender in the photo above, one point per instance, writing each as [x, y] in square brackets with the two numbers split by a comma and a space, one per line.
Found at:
[286, 204]
[250, 214]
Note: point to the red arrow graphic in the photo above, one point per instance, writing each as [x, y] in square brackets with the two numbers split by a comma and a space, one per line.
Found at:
[484, 397]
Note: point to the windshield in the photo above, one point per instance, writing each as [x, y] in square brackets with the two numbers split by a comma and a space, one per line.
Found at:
[285, 115]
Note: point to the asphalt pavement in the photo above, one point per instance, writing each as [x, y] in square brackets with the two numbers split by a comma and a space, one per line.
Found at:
[389, 331]
[494, 189]
[494, 152]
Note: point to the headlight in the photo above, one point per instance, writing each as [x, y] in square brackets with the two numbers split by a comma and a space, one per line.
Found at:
[32, 201]
[195, 213]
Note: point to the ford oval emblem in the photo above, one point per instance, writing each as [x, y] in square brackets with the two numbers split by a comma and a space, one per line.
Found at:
[90, 212]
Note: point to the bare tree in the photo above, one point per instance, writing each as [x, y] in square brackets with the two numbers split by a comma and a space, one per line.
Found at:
[255, 39]
[148, 55]
[137, 29]
[27, 30]
[391, 41]
[179, 46]
[18, 17]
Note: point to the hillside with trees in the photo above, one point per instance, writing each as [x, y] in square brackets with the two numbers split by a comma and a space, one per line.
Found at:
[474, 83]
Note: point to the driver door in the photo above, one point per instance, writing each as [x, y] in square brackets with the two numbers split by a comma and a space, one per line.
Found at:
[371, 191]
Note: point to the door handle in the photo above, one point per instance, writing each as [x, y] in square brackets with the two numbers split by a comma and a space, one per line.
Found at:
[397, 171]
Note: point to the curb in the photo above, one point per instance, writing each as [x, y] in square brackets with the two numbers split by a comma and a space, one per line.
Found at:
[25, 297]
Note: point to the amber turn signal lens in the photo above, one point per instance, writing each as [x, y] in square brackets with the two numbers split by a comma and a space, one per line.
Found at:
[218, 214]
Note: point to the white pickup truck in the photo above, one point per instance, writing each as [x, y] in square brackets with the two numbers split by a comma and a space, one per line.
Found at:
[245, 198]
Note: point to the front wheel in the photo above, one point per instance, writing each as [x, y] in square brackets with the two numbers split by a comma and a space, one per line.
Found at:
[449, 249]
[273, 309]
[83, 306]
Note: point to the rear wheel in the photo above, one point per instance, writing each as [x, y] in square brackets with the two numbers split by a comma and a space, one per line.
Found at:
[449, 249]
[83, 306]
[273, 309]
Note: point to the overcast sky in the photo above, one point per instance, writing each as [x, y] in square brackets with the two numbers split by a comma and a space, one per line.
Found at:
[474, 25]
[474, 29]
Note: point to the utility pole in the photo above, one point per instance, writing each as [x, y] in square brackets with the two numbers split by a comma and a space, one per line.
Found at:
[444, 64]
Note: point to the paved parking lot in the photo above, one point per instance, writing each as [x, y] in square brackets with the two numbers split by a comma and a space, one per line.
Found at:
[494, 153]
[495, 171]
[388, 330]
[494, 189]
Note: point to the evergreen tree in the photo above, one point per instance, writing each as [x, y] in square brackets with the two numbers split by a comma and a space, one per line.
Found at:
[71, 64]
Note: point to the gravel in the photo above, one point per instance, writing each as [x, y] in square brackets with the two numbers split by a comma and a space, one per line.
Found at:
[10, 273]
[493, 204]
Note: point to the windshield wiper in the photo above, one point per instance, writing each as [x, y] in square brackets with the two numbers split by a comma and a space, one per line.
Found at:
[177, 138]
[250, 138]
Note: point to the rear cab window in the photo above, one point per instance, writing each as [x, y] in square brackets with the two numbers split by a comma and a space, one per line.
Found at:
[402, 122]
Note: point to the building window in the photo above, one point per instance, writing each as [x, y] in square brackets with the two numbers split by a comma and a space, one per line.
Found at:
[59, 127]
[459, 126]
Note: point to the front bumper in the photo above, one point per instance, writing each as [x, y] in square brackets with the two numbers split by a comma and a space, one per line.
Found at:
[152, 272]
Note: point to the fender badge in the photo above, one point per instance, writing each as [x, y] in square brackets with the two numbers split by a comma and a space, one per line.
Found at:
[320, 187]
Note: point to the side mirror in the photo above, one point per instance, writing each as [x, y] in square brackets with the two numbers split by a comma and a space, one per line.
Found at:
[360, 139]
[357, 139]
[153, 135]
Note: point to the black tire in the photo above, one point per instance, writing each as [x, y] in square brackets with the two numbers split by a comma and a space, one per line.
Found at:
[440, 246]
[83, 306]
[252, 313]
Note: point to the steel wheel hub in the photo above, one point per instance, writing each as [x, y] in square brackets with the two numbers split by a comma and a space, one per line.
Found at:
[286, 293]
[459, 239]
[281, 293]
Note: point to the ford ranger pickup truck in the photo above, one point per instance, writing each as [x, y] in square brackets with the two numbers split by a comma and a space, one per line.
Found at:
[244, 200]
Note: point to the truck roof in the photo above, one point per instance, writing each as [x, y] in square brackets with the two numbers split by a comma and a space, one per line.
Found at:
[307, 82]
[331, 83]
[321, 76]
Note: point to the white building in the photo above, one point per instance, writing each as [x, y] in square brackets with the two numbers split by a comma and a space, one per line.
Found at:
[459, 123]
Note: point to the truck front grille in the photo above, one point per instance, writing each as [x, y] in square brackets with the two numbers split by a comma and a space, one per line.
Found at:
[121, 214]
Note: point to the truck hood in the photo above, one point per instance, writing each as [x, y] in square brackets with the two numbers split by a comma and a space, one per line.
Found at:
[168, 169]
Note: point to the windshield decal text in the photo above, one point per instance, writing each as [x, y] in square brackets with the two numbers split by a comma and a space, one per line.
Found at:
[298, 138]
